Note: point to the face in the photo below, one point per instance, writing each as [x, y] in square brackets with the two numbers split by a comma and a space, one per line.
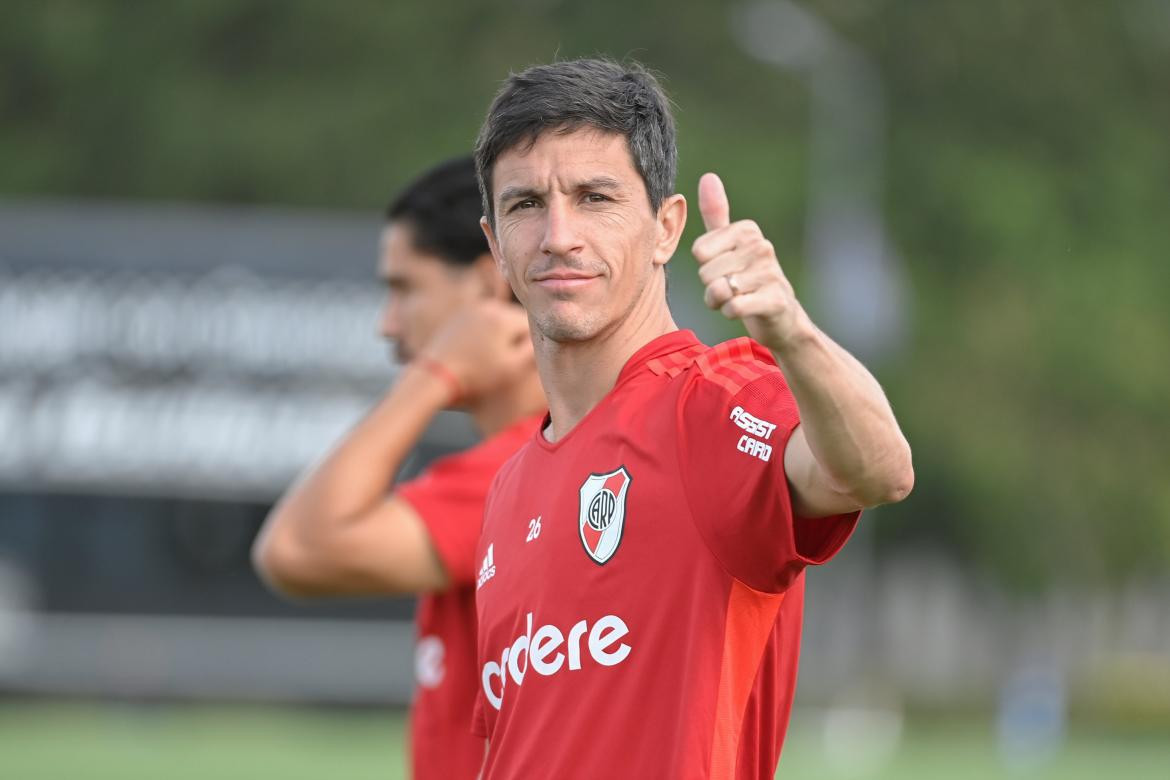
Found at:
[423, 291]
[575, 235]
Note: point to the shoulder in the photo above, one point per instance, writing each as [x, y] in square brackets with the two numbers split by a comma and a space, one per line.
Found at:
[732, 377]
[492, 452]
[735, 364]
[731, 364]
[510, 468]
[724, 369]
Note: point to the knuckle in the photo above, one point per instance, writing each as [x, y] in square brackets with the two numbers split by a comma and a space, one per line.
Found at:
[748, 227]
[759, 246]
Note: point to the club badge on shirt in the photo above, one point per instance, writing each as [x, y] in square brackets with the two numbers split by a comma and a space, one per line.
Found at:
[603, 513]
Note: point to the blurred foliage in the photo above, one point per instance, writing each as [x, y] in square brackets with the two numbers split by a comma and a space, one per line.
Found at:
[1027, 177]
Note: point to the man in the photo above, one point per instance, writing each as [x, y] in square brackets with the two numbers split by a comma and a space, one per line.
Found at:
[346, 529]
[653, 626]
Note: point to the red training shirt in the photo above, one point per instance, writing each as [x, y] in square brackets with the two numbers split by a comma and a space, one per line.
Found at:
[449, 497]
[641, 580]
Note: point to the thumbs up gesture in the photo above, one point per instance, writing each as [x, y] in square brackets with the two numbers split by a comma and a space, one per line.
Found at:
[743, 278]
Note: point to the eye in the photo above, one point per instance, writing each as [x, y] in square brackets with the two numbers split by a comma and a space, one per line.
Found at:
[527, 203]
[595, 197]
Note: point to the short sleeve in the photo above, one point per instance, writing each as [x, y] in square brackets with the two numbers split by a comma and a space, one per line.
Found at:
[479, 715]
[731, 452]
[449, 497]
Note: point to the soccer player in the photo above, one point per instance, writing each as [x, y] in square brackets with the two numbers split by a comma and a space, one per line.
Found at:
[642, 556]
[345, 528]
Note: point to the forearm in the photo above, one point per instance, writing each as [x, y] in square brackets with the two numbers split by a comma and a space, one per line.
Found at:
[360, 471]
[845, 418]
[848, 452]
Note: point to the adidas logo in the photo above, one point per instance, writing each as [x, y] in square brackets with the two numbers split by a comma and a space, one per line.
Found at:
[487, 569]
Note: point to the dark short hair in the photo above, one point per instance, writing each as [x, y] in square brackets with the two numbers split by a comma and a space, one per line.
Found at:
[442, 206]
[566, 96]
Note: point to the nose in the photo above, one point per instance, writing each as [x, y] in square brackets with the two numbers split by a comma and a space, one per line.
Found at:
[388, 322]
[561, 236]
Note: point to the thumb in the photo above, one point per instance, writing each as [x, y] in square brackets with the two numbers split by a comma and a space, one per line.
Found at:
[713, 203]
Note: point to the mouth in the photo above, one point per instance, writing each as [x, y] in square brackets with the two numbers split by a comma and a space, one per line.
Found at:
[564, 280]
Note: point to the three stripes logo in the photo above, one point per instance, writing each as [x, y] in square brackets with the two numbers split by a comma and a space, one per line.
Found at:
[487, 569]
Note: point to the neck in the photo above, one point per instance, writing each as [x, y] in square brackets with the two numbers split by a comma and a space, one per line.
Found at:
[577, 375]
[522, 398]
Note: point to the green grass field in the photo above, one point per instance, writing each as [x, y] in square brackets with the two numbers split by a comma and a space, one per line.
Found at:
[63, 741]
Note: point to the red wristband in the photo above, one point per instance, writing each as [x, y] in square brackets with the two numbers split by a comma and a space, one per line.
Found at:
[445, 374]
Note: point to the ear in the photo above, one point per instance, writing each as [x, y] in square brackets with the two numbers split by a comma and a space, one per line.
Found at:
[490, 281]
[508, 293]
[672, 218]
[493, 245]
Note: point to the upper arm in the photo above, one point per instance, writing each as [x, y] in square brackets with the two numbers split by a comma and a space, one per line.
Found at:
[385, 551]
[812, 491]
[734, 451]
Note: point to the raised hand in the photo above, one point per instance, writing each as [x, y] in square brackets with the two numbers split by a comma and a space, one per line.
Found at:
[484, 347]
[743, 278]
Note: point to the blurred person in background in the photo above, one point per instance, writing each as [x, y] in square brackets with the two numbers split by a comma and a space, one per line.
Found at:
[652, 628]
[345, 528]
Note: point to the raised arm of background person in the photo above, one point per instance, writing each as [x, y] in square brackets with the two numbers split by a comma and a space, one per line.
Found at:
[339, 530]
[848, 452]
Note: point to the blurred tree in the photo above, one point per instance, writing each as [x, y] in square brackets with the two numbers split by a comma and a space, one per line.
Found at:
[1028, 174]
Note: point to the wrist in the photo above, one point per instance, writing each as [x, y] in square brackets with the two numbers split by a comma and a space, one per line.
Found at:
[441, 373]
[797, 334]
